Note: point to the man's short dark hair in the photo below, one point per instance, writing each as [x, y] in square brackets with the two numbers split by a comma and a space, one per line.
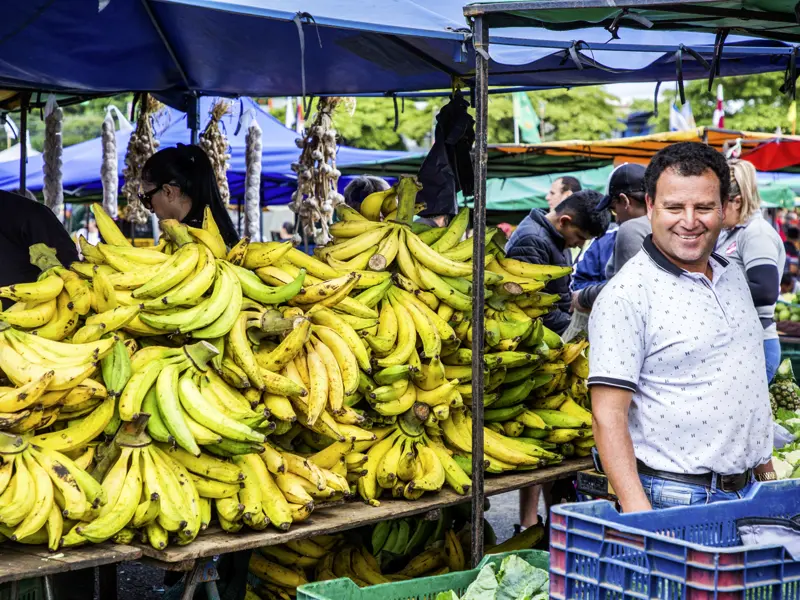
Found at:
[361, 187]
[582, 207]
[570, 184]
[688, 159]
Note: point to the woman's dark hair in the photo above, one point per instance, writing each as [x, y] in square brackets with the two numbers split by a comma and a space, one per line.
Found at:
[189, 168]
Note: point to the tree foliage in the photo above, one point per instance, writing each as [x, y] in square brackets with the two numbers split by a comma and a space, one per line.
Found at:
[752, 103]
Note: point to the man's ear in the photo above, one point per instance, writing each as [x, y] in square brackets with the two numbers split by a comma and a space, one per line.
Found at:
[626, 200]
[649, 202]
[564, 221]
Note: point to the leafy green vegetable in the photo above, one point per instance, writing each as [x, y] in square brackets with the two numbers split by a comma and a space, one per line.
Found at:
[519, 580]
[484, 587]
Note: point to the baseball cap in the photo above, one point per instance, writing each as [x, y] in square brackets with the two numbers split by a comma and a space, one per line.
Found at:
[625, 179]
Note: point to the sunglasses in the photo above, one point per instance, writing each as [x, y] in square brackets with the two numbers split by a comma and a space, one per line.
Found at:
[146, 198]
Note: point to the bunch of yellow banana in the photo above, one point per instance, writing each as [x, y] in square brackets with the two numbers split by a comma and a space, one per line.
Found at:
[148, 491]
[281, 569]
[52, 384]
[42, 492]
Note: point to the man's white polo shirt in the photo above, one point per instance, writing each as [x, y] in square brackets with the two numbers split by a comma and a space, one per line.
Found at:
[691, 352]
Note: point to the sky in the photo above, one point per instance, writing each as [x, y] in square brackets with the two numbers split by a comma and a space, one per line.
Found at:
[632, 91]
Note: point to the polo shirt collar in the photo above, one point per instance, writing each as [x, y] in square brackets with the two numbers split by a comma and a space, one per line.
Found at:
[666, 264]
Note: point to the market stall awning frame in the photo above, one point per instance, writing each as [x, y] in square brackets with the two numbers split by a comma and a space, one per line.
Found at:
[777, 20]
[344, 47]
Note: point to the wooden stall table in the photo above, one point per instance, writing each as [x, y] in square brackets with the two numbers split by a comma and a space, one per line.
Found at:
[18, 562]
[334, 519]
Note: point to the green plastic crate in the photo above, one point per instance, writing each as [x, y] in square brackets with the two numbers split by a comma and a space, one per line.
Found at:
[424, 588]
[27, 589]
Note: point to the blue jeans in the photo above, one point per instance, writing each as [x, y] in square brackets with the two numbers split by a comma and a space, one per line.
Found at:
[772, 352]
[669, 494]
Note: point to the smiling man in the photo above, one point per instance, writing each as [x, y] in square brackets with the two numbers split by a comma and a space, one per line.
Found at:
[679, 392]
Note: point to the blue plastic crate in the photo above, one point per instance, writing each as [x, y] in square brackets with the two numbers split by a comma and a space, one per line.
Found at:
[687, 553]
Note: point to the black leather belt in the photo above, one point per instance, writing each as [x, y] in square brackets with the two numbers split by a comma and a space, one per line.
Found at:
[725, 483]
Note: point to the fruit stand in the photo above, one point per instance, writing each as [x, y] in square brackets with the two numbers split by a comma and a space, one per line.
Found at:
[260, 384]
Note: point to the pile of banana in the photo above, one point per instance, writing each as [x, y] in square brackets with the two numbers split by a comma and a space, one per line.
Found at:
[248, 385]
[282, 569]
[388, 551]
[43, 493]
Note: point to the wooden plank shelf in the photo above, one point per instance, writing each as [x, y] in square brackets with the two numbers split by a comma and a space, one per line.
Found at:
[18, 561]
[329, 520]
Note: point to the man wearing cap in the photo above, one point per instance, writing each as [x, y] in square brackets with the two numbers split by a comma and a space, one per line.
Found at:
[626, 197]
[680, 405]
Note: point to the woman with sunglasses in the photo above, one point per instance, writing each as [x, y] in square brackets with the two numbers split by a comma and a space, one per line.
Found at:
[752, 243]
[178, 183]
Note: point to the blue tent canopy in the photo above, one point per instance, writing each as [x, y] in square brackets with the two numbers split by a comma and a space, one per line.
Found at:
[81, 162]
[253, 47]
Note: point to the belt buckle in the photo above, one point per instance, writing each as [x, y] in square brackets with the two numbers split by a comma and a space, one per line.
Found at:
[731, 483]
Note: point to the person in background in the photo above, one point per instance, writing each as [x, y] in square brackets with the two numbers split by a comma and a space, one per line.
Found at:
[545, 237]
[792, 244]
[626, 198]
[680, 404]
[789, 284]
[561, 189]
[178, 183]
[748, 240]
[507, 229]
[90, 232]
[287, 231]
[28, 222]
[780, 223]
[361, 187]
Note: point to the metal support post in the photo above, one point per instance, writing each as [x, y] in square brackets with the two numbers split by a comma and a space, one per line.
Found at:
[481, 42]
[193, 118]
[23, 143]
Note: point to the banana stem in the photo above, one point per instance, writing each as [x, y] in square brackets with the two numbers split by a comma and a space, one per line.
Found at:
[132, 433]
[200, 353]
[176, 231]
[43, 256]
[407, 189]
[413, 420]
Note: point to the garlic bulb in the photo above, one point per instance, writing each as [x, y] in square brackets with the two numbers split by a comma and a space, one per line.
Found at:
[52, 163]
[108, 169]
[252, 182]
[141, 146]
[317, 176]
[215, 144]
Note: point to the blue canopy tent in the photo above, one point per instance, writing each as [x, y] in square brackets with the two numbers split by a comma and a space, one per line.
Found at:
[81, 162]
[324, 47]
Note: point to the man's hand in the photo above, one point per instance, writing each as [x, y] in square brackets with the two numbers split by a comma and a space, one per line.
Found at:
[610, 426]
[576, 305]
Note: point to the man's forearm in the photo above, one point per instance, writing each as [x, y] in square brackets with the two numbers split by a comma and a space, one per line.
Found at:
[619, 462]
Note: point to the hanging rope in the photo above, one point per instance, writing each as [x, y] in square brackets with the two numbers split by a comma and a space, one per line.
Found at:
[679, 67]
[719, 44]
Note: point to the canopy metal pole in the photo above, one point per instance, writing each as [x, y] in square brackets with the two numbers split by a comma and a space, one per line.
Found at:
[193, 118]
[23, 141]
[480, 41]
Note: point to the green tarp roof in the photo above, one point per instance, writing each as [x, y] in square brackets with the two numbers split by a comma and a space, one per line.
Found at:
[768, 18]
